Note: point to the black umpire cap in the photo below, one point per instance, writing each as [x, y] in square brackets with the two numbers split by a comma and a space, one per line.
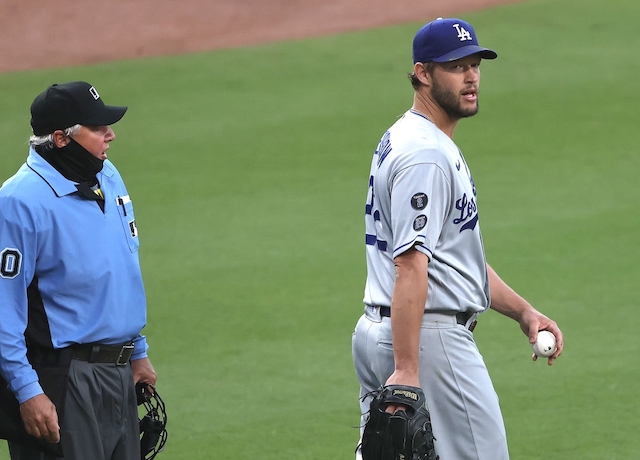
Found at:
[69, 104]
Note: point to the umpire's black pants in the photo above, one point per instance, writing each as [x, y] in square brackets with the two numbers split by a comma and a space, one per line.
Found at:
[101, 416]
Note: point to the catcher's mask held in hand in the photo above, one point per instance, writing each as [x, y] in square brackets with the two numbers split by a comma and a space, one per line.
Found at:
[404, 435]
[153, 421]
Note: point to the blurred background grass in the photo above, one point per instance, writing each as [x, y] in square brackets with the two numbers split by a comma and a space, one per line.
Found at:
[248, 169]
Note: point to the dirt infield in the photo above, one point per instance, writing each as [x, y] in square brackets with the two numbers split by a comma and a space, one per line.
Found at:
[36, 34]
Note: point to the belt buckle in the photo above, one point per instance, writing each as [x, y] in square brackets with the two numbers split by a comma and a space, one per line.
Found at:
[468, 320]
[125, 354]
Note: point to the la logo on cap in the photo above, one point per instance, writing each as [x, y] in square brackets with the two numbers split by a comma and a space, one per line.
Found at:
[463, 34]
[95, 94]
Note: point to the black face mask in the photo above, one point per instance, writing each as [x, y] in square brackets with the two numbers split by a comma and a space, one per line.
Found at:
[73, 161]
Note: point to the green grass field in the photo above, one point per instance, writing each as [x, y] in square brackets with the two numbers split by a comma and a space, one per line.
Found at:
[249, 167]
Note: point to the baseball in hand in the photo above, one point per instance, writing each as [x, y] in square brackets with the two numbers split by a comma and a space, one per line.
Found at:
[545, 346]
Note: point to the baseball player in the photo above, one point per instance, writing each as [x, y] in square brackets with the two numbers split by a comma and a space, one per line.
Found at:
[427, 276]
[73, 302]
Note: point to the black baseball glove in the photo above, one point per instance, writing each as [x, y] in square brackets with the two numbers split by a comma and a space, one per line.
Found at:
[405, 435]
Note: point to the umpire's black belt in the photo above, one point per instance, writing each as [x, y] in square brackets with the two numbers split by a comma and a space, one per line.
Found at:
[95, 353]
[462, 318]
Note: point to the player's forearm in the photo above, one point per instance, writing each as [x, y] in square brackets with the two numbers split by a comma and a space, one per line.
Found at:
[504, 299]
[407, 309]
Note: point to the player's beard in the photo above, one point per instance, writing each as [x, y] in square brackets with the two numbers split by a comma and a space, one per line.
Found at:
[450, 102]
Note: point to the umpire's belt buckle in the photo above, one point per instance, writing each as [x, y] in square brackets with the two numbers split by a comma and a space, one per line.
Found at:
[125, 355]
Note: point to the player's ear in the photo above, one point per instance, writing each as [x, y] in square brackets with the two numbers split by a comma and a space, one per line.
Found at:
[60, 139]
[420, 71]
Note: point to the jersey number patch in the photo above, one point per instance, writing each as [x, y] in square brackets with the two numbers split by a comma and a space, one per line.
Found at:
[10, 262]
[370, 210]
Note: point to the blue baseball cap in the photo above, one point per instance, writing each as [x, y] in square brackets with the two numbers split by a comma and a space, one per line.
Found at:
[445, 40]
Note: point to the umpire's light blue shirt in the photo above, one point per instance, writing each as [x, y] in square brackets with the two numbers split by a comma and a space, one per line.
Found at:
[82, 263]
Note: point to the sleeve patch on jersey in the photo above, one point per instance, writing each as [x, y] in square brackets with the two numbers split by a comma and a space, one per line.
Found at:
[10, 263]
[419, 201]
[419, 222]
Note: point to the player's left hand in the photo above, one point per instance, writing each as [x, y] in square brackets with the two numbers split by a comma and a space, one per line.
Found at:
[533, 321]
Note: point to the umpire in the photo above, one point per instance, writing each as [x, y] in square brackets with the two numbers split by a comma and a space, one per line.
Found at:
[73, 303]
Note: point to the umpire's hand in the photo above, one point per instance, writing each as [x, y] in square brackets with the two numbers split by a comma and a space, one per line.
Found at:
[40, 418]
[143, 371]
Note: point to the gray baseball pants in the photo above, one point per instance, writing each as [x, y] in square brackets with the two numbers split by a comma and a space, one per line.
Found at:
[465, 412]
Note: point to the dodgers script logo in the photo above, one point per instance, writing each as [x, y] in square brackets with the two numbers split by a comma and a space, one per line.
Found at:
[467, 213]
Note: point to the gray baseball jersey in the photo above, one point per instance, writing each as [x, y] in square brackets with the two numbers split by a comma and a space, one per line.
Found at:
[421, 194]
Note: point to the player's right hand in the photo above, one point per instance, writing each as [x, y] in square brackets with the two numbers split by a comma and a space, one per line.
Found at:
[401, 378]
[40, 418]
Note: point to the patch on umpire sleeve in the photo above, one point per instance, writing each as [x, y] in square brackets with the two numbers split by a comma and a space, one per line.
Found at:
[10, 263]
[419, 222]
[419, 201]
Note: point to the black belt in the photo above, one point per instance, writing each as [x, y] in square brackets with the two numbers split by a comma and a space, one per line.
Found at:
[461, 318]
[114, 354]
